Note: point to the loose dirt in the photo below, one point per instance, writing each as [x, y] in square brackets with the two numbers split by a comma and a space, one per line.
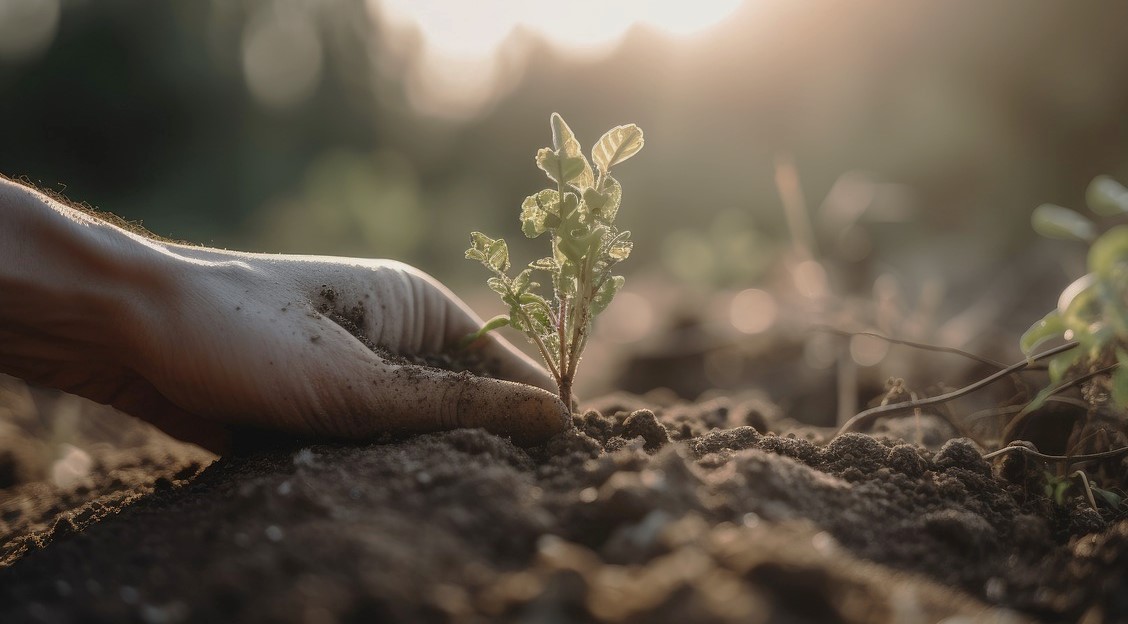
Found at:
[648, 511]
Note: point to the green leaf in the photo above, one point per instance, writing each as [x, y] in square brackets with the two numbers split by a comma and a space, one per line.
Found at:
[499, 286]
[523, 282]
[570, 215]
[616, 145]
[1106, 196]
[566, 145]
[516, 319]
[533, 298]
[497, 256]
[604, 205]
[1056, 489]
[1112, 498]
[1059, 365]
[490, 325]
[620, 250]
[1109, 251]
[564, 280]
[542, 322]
[559, 168]
[1119, 380]
[606, 293]
[540, 212]
[545, 264]
[1050, 326]
[479, 245]
[1053, 221]
[573, 244]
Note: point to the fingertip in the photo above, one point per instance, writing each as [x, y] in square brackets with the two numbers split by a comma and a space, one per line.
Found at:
[526, 414]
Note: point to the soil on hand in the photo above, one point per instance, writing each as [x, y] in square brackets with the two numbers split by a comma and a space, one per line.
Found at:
[645, 512]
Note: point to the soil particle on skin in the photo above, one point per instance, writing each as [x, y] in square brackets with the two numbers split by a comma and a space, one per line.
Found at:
[354, 318]
[617, 520]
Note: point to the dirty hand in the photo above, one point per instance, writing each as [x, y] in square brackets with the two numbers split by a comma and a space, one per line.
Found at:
[197, 340]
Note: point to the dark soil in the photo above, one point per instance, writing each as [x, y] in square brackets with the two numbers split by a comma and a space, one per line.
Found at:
[646, 512]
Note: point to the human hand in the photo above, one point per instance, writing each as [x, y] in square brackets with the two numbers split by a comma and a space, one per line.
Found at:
[196, 340]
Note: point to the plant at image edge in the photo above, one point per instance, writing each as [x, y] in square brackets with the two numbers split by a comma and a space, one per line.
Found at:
[579, 217]
[1093, 310]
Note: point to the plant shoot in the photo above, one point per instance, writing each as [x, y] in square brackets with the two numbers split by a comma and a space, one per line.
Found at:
[578, 214]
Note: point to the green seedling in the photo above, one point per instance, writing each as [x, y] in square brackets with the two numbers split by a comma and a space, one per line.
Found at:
[1057, 486]
[578, 214]
[1093, 310]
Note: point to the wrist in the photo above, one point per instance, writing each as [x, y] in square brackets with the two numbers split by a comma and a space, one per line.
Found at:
[69, 277]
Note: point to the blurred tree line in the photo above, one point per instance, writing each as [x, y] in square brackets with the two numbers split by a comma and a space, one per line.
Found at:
[168, 113]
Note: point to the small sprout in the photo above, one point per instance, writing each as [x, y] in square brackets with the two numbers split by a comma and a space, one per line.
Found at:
[579, 217]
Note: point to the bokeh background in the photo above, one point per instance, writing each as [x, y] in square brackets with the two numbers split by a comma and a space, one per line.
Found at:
[867, 165]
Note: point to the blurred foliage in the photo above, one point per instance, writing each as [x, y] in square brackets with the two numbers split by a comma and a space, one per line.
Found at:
[273, 125]
[1093, 310]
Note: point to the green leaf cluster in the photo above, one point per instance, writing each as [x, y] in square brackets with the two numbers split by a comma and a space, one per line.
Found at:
[577, 213]
[1093, 310]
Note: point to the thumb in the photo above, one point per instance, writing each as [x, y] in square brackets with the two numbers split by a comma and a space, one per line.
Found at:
[425, 399]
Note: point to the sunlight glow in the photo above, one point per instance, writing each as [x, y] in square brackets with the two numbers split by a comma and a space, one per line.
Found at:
[470, 49]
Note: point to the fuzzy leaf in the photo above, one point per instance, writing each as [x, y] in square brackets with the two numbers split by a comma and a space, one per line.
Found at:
[1053, 221]
[523, 282]
[1109, 251]
[1050, 326]
[1106, 196]
[545, 264]
[620, 250]
[573, 244]
[497, 256]
[479, 245]
[606, 293]
[559, 168]
[616, 145]
[604, 205]
[540, 212]
[516, 319]
[564, 280]
[498, 285]
[541, 321]
[566, 144]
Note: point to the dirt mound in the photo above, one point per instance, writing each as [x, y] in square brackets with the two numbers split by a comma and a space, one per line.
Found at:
[643, 513]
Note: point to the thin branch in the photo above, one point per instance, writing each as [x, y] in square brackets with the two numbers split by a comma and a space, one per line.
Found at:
[916, 345]
[872, 414]
[1071, 459]
[1088, 488]
[1008, 410]
[1018, 421]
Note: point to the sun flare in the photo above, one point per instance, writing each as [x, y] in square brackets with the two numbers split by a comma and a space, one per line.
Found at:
[459, 66]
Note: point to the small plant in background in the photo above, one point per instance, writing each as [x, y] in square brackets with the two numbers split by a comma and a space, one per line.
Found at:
[578, 215]
[1058, 485]
[1093, 310]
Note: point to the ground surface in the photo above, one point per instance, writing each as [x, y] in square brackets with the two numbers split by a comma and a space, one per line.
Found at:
[717, 511]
